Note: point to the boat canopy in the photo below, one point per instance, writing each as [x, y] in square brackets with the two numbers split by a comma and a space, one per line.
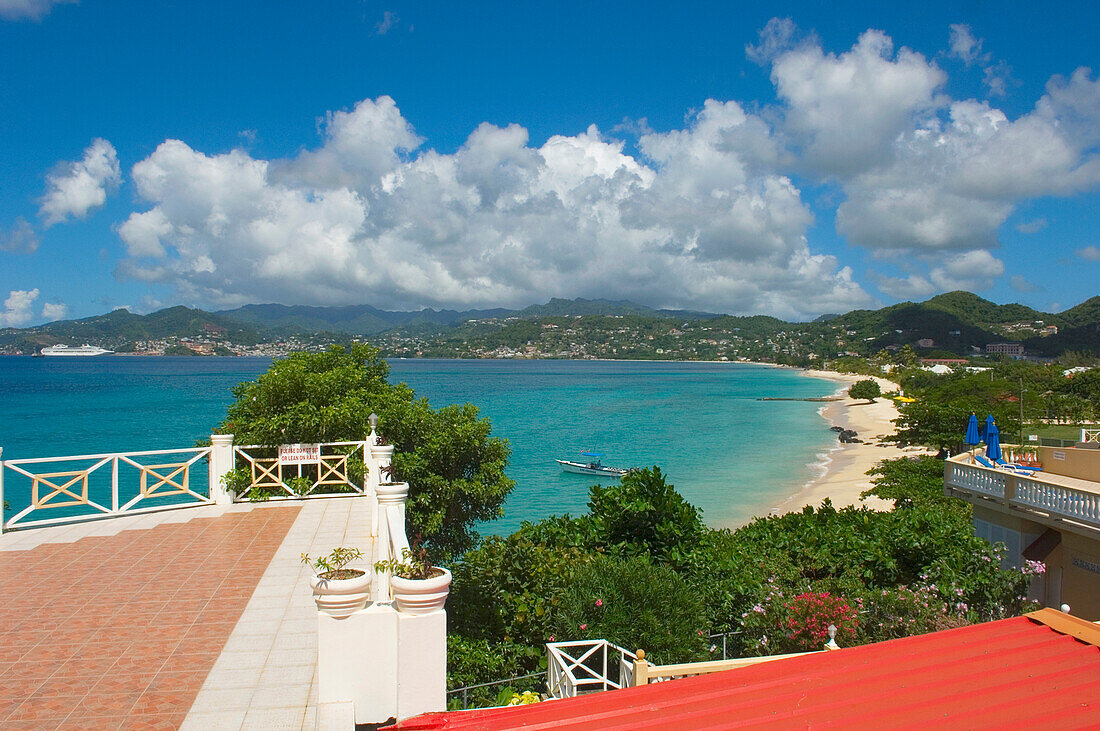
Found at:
[597, 455]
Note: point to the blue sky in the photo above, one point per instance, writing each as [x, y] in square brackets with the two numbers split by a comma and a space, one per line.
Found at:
[780, 158]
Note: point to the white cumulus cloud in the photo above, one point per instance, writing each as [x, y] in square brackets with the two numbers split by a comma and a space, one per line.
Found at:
[28, 9]
[76, 188]
[1089, 253]
[52, 311]
[702, 220]
[927, 179]
[20, 238]
[18, 307]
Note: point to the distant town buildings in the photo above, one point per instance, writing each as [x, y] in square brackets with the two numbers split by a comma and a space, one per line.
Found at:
[1009, 349]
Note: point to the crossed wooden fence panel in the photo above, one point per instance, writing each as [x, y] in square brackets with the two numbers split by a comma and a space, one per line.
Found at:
[71, 488]
[40, 500]
[267, 472]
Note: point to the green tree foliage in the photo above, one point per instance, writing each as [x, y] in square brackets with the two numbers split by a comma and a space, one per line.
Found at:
[644, 515]
[865, 389]
[635, 604]
[472, 662]
[454, 468]
[508, 589]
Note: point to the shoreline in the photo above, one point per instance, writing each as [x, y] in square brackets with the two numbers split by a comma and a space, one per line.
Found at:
[844, 468]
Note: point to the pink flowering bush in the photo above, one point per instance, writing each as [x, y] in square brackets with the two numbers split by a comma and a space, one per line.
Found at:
[810, 614]
[783, 623]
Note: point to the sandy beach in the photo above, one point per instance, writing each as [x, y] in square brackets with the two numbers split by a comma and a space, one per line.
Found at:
[845, 475]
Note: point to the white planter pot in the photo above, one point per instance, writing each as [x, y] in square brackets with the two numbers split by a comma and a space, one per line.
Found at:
[341, 597]
[421, 596]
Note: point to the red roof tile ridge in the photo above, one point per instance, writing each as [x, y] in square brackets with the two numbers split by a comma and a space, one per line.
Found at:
[1067, 624]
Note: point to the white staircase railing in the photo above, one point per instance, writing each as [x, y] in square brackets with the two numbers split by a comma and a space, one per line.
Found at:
[586, 666]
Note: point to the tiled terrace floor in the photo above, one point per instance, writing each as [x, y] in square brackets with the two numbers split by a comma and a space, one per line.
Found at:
[121, 631]
[198, 618]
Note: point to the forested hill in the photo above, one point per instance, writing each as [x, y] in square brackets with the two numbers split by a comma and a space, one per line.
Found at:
[955, 323]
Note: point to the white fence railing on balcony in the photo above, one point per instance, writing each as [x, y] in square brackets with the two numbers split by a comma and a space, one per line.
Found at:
[1031, 493]
[1090, 435]
[329, 468]
[586, 666]
[977, 479]
[46, 491]
[57, 490]
[1058, 500]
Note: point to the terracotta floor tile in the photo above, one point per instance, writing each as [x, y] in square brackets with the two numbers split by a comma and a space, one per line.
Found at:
[55, 708]
[41, 669]
[84, 667]
[12, 653]
[165, 701]
[98, 723]
[105, 704]
[117, 682]
[20, 688]
[7, 705]
[145, 615]
[60, 685]
[154, 722]
[31, 725]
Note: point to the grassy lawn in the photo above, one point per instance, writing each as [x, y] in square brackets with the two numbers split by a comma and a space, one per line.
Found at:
[1058, 431]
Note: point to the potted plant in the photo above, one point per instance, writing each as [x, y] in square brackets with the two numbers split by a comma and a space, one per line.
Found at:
[417, 586]
[338, 591]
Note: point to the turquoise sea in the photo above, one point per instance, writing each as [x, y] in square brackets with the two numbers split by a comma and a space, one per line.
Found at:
[727, 452]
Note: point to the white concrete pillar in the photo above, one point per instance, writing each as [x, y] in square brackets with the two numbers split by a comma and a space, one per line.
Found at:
[357, 661]
[421, 663]
[391, 531]
[221, 462]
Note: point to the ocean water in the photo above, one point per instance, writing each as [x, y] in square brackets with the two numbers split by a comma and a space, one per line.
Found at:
[727, 452]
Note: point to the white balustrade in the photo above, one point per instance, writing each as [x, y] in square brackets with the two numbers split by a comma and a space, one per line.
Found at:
[1030, 493]
[977, 479]
[383, 662]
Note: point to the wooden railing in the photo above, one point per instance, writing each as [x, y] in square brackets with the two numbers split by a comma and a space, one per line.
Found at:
[59, 490]
[275, 479]
[645, 673]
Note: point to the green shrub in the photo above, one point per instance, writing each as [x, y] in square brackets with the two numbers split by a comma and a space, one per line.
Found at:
[644, 515]
[508, 589]
[634, 604]
[473, 661]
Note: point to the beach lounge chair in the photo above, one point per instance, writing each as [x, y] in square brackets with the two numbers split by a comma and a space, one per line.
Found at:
[1016, 467]
[981, 459]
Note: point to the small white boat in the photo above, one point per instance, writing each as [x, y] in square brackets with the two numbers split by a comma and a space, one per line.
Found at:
[84, 350]
[592, 465]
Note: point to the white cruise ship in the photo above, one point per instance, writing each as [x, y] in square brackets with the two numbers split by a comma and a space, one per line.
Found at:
[80, 350]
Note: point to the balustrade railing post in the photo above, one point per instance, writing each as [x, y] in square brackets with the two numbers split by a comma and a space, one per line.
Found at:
[114, 484]
[221, 462]
[1, 491]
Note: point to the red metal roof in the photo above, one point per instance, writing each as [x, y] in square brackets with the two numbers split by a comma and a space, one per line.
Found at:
[1014, 672]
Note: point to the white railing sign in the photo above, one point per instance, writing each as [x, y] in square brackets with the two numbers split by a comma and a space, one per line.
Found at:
[299, 454]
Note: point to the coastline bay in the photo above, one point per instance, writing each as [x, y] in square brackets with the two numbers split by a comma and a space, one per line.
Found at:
[725, 451]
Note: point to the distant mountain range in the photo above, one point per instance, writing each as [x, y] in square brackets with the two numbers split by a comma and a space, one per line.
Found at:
[367, 320]
[955, 322]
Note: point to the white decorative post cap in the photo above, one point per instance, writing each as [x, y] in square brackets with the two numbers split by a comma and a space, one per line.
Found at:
[1065, 608]
[831, 644]
[392, 493]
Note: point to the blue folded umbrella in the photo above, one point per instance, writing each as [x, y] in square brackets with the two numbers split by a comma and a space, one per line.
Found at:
[972, 436]
[992, 440]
